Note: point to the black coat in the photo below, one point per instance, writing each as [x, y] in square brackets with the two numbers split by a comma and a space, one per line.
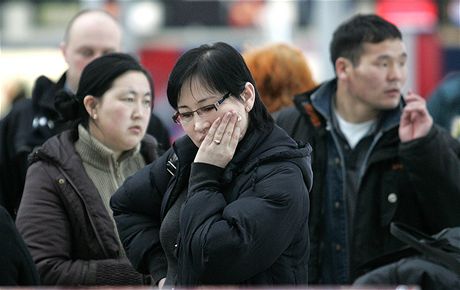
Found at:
[16, 266]
[423, 174]
[29, 124]
[245, 224]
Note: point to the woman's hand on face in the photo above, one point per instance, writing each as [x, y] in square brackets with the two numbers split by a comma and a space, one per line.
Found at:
[219, 145]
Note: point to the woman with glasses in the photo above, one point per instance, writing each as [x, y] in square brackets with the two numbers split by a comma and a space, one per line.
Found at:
[228, 203]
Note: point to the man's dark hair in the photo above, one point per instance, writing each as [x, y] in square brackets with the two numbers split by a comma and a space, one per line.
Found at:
[349, 37]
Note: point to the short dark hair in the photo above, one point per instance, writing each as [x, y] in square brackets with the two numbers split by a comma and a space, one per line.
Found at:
[349, 37]
[220, 68]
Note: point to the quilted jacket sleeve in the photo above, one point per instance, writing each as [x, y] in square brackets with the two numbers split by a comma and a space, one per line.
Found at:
[136, 208]
[433, 163]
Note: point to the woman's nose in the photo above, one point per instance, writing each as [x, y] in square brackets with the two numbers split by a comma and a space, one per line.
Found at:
[200, 123]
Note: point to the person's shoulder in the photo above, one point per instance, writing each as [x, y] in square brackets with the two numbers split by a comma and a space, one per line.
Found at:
[157, 128]
[58, 148]
[6, 222]
[149, 148]
[453, 76]
[19, 118]
[4, 215]
[20, 107]
[44, 89]
[449, 88]
[287, 116]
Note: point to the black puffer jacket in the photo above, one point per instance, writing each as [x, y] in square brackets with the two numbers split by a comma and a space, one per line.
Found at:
[245, 224]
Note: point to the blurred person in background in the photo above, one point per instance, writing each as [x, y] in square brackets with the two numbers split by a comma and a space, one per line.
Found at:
[89, 34]
[377, 157]
[64, 216]
[444, 104]
[228, 203]
[280, 71]
[16, 266]
[15, 91]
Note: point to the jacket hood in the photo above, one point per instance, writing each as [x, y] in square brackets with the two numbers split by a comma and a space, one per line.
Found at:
[258, 147]
[317, 104]
[60, 149]
[43, 94]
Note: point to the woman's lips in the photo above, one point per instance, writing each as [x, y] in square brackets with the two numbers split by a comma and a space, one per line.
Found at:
[135, 129]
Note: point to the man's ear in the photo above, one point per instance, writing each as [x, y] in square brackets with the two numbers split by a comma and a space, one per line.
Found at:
[90, 103]
[342, 67]
[62, 48]
[249, 96]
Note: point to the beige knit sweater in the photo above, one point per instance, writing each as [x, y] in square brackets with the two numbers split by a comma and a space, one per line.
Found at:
[101, 165]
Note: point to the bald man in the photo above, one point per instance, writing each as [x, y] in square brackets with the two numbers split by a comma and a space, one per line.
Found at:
[88, 35]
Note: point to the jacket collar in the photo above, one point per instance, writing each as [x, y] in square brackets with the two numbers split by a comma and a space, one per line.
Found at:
[97, 154]
[43, 94]
[321, 100]
[257, 146]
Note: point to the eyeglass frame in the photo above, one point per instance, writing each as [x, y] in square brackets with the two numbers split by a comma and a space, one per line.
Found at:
[216, 105]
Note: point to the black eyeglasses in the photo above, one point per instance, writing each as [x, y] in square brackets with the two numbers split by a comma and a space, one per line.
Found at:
[186, 117]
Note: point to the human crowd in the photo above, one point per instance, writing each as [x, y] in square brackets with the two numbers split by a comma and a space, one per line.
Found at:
[278, 179]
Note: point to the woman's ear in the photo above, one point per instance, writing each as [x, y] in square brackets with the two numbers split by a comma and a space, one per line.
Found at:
[90, 103]
[249, 96]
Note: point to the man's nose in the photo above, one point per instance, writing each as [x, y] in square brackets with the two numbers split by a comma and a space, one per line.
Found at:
[396, 72]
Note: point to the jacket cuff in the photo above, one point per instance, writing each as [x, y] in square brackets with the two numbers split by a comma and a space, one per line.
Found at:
[158, 270]
[205, 175]
[418, 144]
[157, 276]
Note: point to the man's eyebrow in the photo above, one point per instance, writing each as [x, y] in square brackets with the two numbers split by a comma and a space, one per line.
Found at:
[387, 56]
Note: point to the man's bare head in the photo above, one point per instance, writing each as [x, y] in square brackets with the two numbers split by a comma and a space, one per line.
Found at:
[89, 34]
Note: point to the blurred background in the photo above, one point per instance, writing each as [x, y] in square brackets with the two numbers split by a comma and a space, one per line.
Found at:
[158, 31]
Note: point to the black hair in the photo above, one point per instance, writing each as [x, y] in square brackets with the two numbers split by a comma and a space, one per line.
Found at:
[349, 37]
[220, 68]
[97, 77]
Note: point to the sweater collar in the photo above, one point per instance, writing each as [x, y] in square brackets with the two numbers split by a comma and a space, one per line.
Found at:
[97, 154]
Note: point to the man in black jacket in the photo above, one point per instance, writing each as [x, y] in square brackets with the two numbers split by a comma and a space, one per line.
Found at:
[89, 34]
[377, 157]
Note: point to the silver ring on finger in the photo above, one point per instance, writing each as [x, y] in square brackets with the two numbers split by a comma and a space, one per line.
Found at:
[216, 141]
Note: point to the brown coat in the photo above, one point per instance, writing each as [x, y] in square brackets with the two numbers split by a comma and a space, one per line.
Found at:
[64, 222]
